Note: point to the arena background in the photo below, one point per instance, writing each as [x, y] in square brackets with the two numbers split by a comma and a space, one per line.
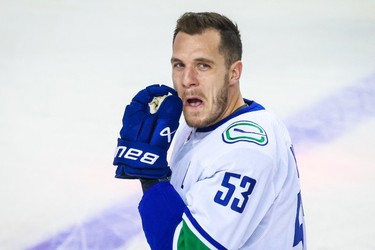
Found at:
[68, 68]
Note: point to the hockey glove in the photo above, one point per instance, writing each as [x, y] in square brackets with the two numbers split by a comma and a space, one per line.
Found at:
[149, 124]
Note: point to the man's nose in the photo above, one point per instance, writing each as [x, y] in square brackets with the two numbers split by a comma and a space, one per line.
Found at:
[189, 77]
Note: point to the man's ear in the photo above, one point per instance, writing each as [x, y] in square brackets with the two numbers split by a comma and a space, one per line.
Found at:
[235, 71]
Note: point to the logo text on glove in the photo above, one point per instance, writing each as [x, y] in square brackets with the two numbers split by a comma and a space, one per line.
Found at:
[167, 132]
[136, 154]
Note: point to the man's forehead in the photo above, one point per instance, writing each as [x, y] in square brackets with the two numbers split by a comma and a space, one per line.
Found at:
[207, 41]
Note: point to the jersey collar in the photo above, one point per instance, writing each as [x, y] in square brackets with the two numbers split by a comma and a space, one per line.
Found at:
[252, 106]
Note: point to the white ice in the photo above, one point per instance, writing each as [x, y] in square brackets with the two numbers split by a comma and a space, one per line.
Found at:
[68, 68]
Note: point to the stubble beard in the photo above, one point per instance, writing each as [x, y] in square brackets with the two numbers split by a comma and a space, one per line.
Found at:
[210, 117]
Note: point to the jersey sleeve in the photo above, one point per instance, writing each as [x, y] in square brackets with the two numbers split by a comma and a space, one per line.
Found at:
[166, 221]
[161, 210]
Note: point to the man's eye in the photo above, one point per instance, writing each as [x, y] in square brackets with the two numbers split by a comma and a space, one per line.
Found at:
[178, 65]
[203, 66]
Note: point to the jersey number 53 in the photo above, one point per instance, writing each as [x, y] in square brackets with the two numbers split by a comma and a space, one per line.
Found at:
[238, 204]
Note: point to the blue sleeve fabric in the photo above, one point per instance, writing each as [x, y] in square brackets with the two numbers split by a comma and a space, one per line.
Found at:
[161, 210]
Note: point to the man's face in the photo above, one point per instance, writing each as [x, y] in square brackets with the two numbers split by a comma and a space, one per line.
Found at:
[200, 77]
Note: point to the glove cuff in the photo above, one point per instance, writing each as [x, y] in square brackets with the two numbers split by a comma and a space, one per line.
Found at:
[140, 155]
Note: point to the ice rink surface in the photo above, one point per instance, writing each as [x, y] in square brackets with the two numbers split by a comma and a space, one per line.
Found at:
[68, 68]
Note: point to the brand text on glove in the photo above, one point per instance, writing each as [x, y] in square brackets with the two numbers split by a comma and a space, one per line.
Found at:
[136, 155]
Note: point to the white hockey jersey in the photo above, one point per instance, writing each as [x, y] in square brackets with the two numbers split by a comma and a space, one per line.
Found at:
[240, 183]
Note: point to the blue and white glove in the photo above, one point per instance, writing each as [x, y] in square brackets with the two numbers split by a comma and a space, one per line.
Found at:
[149, 124]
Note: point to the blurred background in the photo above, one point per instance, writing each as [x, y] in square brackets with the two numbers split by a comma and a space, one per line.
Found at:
[68, 68]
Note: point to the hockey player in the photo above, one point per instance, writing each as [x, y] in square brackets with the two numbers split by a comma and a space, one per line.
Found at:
[233, 181]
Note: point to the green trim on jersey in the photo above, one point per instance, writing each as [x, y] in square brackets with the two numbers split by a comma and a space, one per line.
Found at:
[245, 131]
[188, 240]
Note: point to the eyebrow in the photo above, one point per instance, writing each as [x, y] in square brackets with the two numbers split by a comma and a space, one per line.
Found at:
[204, 60]
[200, 59]
[173, 59]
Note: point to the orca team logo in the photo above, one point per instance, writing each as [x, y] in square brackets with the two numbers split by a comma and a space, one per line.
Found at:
[246, 131]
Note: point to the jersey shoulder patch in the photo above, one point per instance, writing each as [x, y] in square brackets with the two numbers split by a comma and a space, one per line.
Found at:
[245, 131]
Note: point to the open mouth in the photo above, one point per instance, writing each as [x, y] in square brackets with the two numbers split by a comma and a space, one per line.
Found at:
[194, 102]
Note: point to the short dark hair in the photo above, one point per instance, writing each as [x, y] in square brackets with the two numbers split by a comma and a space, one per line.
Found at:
[195, 23]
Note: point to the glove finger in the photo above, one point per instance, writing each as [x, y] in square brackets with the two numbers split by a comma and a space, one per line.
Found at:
[146, 95]
[168, 116]
[170, 108]
[160, 90]
[147, 128]
[140, 125]
[132, 121]
[143, 97]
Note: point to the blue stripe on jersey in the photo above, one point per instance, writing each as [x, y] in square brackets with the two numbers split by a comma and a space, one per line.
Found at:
[252, 106]
[202, 232]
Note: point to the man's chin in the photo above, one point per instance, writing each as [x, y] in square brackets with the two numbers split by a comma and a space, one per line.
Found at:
[194, 122]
